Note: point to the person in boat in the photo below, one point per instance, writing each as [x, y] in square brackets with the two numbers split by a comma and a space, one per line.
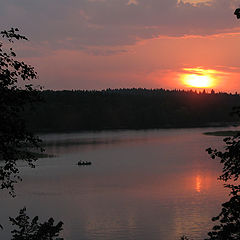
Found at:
[84, 163]
[237, 13]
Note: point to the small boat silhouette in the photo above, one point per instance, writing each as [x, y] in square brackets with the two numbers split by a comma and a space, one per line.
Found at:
[237, 13]
[83, 163]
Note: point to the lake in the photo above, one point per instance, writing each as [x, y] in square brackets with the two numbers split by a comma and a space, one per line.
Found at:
[153, 184]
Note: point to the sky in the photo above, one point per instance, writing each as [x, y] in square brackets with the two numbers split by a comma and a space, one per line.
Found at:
[99, 44]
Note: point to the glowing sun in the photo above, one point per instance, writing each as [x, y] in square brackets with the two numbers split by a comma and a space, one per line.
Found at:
[198, 81]
[198, 78]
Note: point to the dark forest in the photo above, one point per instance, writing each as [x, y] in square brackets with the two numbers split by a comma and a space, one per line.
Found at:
[66, 111]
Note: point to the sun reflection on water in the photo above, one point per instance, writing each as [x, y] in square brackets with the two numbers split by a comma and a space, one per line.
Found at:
[198, 184]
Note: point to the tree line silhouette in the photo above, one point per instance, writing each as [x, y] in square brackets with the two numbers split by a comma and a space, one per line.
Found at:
[129, 109]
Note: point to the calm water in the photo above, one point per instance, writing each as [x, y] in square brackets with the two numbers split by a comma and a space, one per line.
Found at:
[156, 185]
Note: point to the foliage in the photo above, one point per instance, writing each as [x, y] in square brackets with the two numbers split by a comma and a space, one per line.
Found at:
[230, 158]
[15, 140]
[129, 109]
[228, 227]
[33, 230]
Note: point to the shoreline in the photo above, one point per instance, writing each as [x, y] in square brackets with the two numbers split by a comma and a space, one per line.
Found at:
[65, 131]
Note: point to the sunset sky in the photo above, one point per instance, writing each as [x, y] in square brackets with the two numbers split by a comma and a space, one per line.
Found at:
[98, 44]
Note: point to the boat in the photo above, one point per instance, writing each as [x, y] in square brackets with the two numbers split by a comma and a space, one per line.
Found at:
[83, 163]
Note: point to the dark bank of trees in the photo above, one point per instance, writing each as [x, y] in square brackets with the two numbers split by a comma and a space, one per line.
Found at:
[130, 109]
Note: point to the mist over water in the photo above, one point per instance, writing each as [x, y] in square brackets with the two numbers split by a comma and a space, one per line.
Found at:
[155, 184]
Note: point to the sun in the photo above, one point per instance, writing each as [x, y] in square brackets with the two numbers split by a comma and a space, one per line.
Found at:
[198, 81]
[198, 78]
